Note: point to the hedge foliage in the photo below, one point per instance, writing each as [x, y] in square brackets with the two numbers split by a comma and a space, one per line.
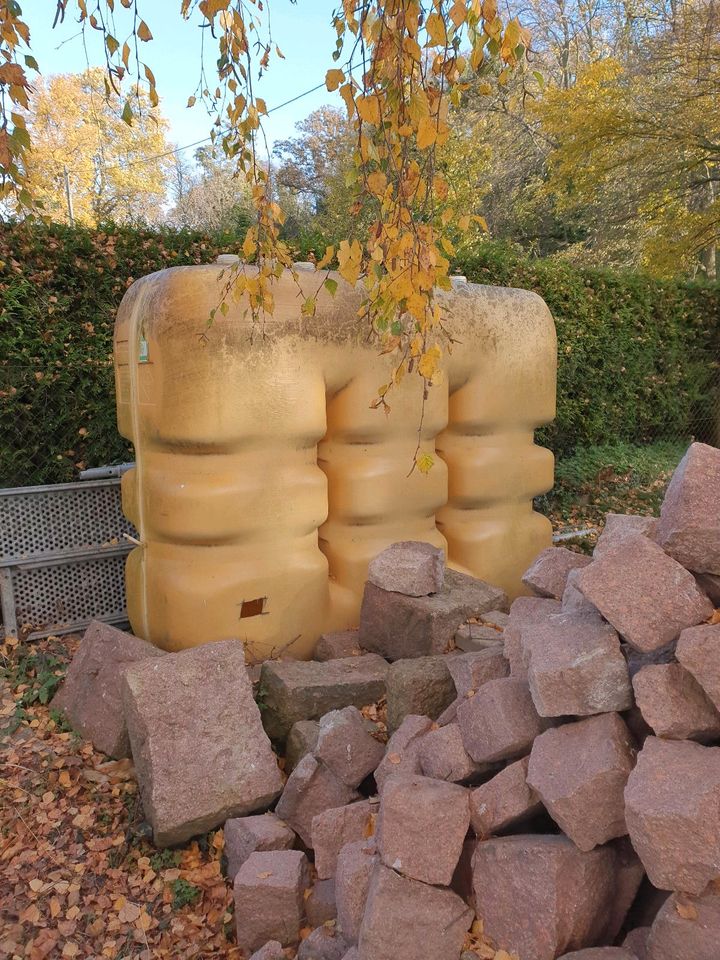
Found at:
[59, 291]
[637, 358]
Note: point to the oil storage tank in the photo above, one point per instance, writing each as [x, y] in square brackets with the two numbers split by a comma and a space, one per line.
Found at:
[264, 482]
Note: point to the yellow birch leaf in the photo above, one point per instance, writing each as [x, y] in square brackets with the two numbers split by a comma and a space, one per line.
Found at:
[424, 463]
[249, 246]
[327, 257]
[427, 133]
[477, 56]
[416, 305]
[349, 259]
[458, 13]
[333, 79]
[412, 48]
[368, 109]
[489, 9]
[428, 362]
[377, 182]
[346, 92]
[435, 26]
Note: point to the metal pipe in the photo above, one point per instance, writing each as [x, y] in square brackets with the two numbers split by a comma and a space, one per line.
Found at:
[104, 473]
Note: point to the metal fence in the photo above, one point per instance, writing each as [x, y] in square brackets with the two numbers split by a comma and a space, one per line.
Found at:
[62, 557]
[55, 421]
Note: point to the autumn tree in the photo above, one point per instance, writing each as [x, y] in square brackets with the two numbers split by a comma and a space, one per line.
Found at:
[315, 172]
[209, 195]
[637, 145]
[78, 132]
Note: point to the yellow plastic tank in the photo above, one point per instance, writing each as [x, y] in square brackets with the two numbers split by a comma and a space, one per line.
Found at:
[264, 482]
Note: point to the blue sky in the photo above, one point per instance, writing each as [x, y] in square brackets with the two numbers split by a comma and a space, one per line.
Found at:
[302, 31]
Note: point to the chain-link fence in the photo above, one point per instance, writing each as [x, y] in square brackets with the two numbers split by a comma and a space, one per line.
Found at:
[55, 421]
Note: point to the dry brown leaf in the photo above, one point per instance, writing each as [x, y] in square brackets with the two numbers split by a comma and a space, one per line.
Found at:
[484, 951]
[369, 830]
[686, 910]
[31, 914]
[394, 758]
[129, 913]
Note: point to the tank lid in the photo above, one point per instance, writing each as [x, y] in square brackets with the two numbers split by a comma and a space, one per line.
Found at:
[228, 258]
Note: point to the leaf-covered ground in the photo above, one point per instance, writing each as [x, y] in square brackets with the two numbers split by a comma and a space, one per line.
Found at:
[615, 478]
[78, 875]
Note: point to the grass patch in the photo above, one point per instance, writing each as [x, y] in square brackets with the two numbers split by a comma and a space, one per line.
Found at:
[611, 478]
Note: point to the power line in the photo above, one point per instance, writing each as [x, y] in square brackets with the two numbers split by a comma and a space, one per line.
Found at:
[197, 143]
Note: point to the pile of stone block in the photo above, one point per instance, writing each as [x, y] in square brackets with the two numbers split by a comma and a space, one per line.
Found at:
[457, 781]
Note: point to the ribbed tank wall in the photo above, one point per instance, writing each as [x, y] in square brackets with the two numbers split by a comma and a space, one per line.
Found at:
[264, 482]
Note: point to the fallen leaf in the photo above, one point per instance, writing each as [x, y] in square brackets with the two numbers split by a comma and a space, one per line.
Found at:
[686, 910]
[394, 758]
[129, 913]
[31, 914]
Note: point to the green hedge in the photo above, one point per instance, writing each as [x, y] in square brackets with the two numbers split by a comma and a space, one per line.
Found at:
[59, 291]
[637, 357]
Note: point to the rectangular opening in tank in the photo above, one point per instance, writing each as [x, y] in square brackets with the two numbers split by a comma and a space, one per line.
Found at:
[252, 608]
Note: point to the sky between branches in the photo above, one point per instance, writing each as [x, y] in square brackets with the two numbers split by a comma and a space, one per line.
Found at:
[302, 31]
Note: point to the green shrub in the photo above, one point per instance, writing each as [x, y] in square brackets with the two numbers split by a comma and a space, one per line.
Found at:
[60, 288]
[637, 357]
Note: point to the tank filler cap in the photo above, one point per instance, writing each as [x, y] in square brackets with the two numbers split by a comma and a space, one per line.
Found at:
[227, 259]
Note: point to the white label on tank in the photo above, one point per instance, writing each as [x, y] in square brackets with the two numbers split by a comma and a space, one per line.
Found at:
[143, 353]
